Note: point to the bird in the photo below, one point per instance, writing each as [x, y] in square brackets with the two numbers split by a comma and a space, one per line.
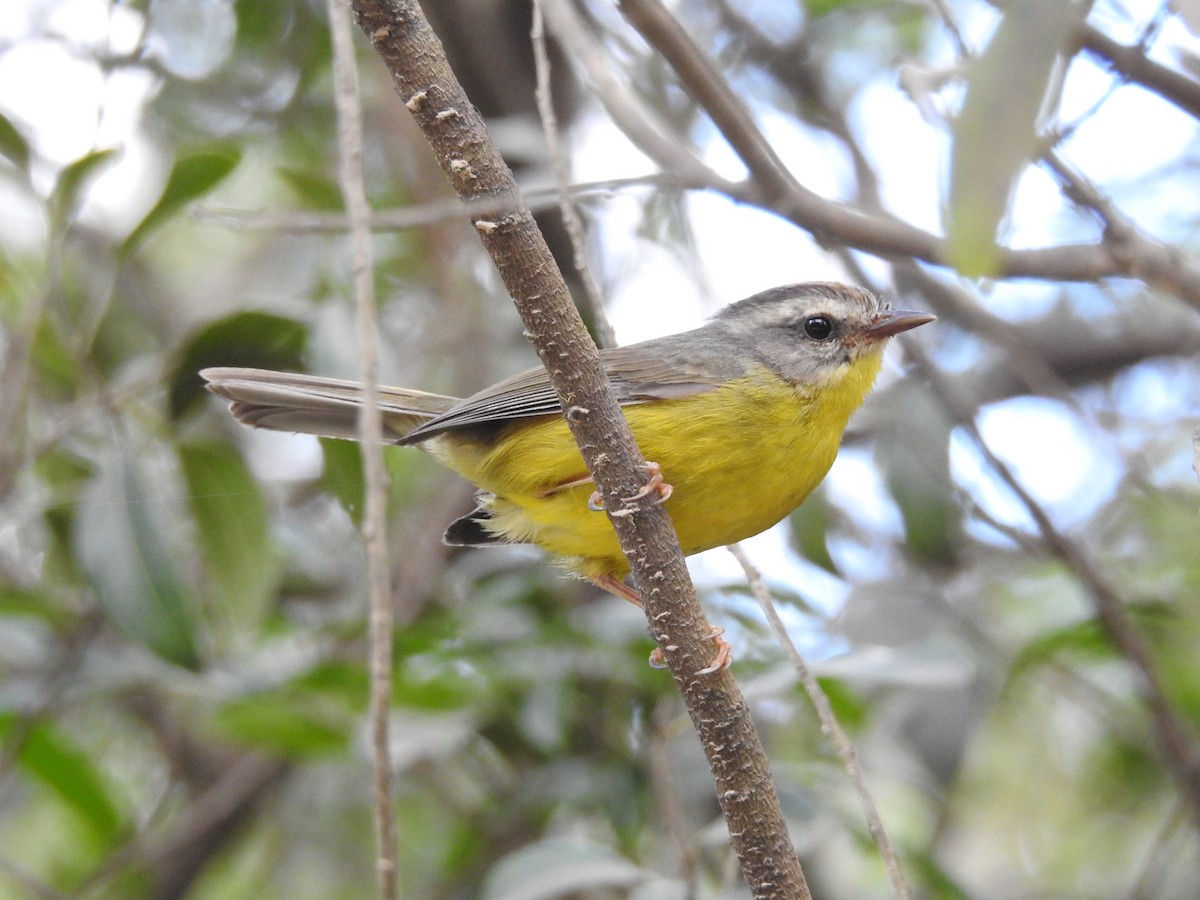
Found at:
[739, 419]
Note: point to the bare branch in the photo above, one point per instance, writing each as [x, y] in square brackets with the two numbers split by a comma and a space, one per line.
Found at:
[1132, 64]
[709, 88]
[536, 197]
[370, 430]
[1196, 452]
[570, 214]
[425, 83]
[771, 186]
[208, 820]
[830, 726]
[638, 123]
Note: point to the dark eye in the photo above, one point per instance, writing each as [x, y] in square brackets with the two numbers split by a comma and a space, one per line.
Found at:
[818, 327]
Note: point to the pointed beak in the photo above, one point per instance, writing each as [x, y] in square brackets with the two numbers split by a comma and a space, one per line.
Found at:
[893, 322]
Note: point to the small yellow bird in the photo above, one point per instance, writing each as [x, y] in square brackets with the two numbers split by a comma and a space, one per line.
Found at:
[743, 416]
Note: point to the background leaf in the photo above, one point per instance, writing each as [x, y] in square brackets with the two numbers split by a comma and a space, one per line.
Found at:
[254, 339]
[73, 181]
[120, 541]
[13, 145]
[996, 134]
[68, 770]
[233, 533]
[193, 175]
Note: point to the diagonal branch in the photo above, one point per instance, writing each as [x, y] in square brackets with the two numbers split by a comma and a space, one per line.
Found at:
[772, 186]
[1133, 65]
[710, 89]
[422, 77]
[830, 726]
[1178, 745]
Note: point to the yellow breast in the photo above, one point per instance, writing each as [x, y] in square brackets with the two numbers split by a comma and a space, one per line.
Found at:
[740, 458]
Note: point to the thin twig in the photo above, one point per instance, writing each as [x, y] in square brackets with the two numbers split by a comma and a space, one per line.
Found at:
[173, 860]
[1150, 883]
[710, 89]
[638, 123]
[830, 726]
[536, 197]
[1196, 452]
[1135, 67]
[570, 215]
[666, 798]
[1169, 726]
[370, 429]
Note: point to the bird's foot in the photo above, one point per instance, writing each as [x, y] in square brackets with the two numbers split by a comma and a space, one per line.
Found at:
[722, 659]
[655, 485]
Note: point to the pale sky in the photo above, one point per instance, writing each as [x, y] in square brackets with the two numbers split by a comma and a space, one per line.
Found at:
[71, 107]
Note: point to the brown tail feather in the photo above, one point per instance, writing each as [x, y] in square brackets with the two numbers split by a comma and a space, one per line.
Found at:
[327, 407]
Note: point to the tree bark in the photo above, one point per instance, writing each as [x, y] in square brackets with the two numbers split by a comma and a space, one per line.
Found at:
[423, 79]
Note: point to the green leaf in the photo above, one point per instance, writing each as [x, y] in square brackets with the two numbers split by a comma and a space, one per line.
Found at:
[72, 182]
[58, 763]
[441, 693]
[1123, 773]
[931, 519]
[287, 721]
[64, 476]
[13, 145]
[120, 543]
[56, 364]
[851, 711]
[824, 7]
[191, 177]
[317, 192]
[1083, 640]
[338, 678]
[63, 472]
[342, 475]
[232, 531]
[809, 530]
[254, 339]
[36, 604]
[995, 135]
[312, 715]
[915, 459]
[262, 23]
[936, 880]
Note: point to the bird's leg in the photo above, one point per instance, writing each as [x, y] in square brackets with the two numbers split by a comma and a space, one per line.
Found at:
[563, 485]
[721, 660]
[655, 485]
[617, 588]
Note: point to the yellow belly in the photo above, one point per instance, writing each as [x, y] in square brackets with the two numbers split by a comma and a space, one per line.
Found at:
[740, 457]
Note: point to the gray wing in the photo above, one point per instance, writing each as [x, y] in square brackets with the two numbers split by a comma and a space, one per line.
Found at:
[328, 407]
[667, 368]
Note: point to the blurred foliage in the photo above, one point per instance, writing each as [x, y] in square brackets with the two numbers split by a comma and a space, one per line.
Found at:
[182, 635]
